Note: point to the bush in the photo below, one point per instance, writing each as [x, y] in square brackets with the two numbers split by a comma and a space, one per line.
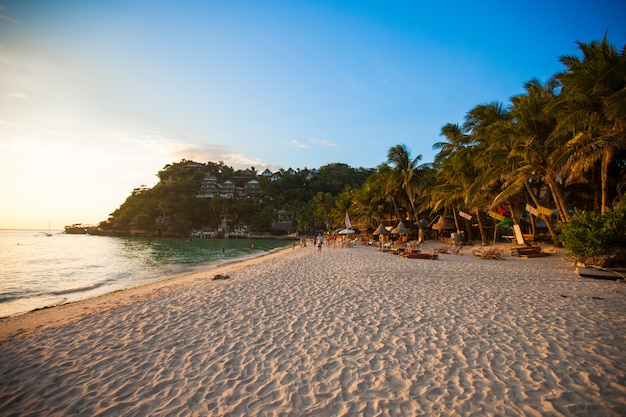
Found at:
[588, 236]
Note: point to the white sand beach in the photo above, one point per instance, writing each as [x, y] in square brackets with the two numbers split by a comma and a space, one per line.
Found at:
[351, 332]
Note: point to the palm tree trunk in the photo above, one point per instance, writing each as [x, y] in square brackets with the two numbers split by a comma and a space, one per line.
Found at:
[515, 213]
[456, 221]
[481, 227]
[468, 227]
[545, 218]
[558, 198]
[396, 209]
[597, 188]
[606, 161]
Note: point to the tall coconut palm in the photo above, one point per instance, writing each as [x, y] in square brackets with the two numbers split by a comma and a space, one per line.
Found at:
[592, 109]
[370, 205]
[456, 174]
[491, 145]
[532, 155]
[343, 205]
[323, 204]
[406, 173]
[457, 139]
[385, 182]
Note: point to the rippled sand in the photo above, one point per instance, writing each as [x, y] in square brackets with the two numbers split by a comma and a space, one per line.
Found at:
[341, 332]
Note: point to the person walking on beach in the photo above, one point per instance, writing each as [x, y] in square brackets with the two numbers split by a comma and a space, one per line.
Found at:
[320, 240]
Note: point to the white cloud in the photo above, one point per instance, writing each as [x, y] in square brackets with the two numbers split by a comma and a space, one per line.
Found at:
[151, 144]
[297, 144]
[161, 148]
[216, 153]
[322, 142]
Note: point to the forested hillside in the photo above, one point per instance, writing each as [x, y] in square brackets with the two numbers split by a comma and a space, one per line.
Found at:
[175, 206]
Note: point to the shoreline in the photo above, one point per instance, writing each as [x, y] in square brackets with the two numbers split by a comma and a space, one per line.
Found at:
[339, 332]
[12, 327]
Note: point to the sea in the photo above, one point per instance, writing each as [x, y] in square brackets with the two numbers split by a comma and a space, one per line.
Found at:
[44, 269]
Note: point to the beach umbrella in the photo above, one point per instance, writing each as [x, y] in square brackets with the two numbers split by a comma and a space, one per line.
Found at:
[382, 230]
[423, 222]
[444, 224]
[400, 229]
[346, 231]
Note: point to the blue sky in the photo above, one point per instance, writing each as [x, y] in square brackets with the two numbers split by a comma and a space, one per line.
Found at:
[97, 96]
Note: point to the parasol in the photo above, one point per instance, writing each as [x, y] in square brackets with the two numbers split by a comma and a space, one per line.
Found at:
[382, 230]
[400, 229]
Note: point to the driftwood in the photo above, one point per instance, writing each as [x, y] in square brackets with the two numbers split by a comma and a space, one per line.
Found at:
[220, 276]
[490, 253]
[529, 252]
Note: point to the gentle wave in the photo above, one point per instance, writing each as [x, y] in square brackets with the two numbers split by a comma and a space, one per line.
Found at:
[79, 289]
[40, 271]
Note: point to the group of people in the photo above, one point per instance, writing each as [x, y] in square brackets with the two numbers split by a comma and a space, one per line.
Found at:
[319, 240]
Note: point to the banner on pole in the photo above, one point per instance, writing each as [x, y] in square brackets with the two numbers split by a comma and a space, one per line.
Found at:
[532, 210]
[544, 210]
[348, 222]
[495, 215]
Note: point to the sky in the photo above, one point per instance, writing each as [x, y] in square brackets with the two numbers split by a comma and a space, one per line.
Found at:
[97, 96]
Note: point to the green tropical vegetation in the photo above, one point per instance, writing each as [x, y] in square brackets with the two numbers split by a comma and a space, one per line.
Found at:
[597, 239]
[543, 158]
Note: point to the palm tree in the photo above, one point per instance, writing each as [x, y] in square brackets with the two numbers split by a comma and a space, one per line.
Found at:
[322, 206]
[592, 109]
[532, 155]
[405, 173]
[343, 205]
[457, 139]
[456, 174]
[386, 181]
[369, 205]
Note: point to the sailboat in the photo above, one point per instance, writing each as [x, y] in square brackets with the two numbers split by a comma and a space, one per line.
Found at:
[49, 233]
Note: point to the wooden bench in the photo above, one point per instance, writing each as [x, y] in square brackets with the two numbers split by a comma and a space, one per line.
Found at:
[510, 238]
[528, 237]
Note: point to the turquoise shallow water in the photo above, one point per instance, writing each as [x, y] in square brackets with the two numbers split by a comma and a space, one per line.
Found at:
[38, 271]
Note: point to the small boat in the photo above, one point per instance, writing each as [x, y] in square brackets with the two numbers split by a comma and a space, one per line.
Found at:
[591, 271]
[49, 233]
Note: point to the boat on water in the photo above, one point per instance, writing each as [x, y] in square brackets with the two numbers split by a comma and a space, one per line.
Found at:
[591, 271]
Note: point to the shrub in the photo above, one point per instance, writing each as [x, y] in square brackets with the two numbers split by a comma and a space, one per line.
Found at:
[589, 236]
